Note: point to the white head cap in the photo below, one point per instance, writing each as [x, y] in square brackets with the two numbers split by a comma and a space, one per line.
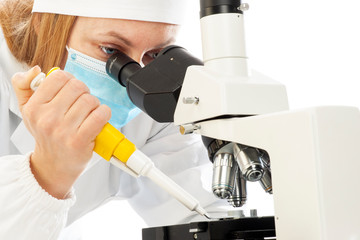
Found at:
[167, 11]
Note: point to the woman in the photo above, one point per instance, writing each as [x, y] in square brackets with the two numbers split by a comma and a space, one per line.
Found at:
[47, 137]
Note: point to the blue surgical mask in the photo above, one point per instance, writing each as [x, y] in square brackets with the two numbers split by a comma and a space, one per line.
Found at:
[93, 73]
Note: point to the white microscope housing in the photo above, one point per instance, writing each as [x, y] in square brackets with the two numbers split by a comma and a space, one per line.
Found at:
[308, 159]
[313, 152]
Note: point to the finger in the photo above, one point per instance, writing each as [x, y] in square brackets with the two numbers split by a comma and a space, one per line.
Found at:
[21, 83]
[81, 109]
[51, 85]
[69, 94]
[94, 123]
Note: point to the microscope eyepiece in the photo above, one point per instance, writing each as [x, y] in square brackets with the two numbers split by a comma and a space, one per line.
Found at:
[120, 67]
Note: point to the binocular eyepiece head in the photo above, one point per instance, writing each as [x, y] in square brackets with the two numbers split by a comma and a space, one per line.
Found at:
[155, 88]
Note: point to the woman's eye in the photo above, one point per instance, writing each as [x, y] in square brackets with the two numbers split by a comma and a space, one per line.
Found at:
[153, 54]
[149, 57]
[108, 50]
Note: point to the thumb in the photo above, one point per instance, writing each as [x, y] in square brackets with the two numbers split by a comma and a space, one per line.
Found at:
[21, 83]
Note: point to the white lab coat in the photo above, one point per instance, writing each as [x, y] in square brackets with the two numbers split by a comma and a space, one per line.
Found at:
[28, 212]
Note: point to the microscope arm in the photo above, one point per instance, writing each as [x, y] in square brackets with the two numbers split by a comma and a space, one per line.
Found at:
[313, 152]
[314, 164]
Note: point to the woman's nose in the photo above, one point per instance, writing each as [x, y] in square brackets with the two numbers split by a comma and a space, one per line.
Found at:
[136, 56]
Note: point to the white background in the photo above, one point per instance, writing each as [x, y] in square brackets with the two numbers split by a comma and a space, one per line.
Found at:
[313, 47]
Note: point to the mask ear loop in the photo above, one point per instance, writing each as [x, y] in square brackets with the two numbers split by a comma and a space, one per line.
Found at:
[68, 49]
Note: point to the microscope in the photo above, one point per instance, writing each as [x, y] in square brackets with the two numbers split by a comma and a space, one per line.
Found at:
[306, 158]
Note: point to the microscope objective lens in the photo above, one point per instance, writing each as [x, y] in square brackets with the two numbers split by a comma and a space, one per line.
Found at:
[249, 161]
[224, 175]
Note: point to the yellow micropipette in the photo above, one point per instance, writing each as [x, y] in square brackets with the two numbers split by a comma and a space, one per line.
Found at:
[112, 145]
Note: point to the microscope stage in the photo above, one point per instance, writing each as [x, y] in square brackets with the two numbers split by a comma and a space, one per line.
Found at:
[249, 228]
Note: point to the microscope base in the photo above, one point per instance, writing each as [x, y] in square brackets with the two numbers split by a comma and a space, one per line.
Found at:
[254, 228]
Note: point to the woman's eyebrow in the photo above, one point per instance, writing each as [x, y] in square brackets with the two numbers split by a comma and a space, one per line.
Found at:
[128, 42]
[122, 39]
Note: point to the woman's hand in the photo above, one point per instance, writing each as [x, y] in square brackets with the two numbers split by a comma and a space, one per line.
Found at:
[64, 119]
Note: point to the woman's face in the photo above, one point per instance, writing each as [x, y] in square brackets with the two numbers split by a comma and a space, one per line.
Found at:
[100, 38]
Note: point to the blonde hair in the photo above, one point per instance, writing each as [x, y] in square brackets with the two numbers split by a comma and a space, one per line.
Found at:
[35, 38]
